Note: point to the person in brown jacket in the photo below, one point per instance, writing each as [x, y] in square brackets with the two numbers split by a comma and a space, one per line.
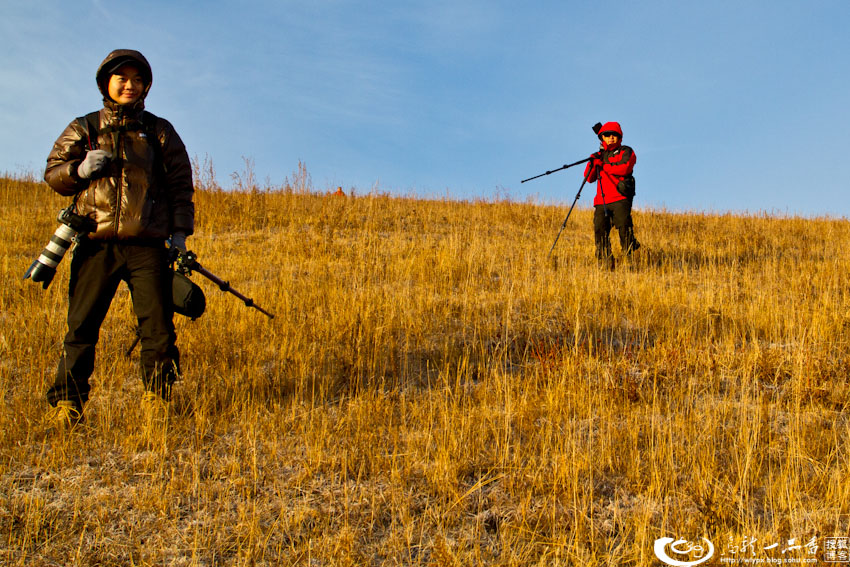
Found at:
[128, 171]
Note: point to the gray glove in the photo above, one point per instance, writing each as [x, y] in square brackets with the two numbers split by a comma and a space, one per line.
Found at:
[94, 162]
[178, 240]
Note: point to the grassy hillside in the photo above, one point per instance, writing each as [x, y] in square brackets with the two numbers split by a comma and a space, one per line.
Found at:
[434, 391]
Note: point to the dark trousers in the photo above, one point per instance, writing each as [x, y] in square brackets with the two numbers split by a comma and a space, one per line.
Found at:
[618, 214]
[97, 268]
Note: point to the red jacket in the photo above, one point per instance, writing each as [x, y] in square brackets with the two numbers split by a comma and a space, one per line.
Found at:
[611, 168]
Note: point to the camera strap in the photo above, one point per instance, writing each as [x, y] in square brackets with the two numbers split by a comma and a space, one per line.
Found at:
[89, 122]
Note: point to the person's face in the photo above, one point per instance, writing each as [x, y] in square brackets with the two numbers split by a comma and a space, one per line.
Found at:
[610, 138]
[126, 85]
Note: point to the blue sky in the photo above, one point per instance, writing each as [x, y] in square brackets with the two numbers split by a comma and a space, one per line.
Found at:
[730, 106]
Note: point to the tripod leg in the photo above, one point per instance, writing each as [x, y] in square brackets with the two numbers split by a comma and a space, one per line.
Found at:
[136, 340]
[578, 195]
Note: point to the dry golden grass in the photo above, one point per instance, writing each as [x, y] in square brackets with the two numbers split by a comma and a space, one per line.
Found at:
[433, 391]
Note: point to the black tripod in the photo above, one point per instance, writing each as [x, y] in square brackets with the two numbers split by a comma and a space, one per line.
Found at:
[596, 127]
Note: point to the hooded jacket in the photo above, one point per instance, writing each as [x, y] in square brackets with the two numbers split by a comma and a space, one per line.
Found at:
[145, 191]
[612, 168]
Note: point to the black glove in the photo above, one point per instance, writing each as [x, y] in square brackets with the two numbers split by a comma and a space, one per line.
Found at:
[178, 241]
[598, 159]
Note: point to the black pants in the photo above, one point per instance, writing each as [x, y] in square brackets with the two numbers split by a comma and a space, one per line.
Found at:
[618, 214]
[97, 268]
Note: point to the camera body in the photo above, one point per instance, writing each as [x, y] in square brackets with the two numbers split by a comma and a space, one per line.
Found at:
[71, 228]
[80, 224]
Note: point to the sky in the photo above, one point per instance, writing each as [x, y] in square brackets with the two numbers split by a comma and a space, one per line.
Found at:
[731, 106]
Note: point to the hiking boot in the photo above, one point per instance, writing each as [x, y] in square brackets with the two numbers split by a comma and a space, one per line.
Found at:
[631, 249]
[65, 416]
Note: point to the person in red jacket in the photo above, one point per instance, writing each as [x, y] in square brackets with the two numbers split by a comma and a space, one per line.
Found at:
[611, 168]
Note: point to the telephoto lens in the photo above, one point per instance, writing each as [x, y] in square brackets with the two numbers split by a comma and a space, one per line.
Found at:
[44, 267]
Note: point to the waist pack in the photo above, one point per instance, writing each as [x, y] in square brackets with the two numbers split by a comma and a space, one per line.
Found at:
[626, 186]
[188, 297]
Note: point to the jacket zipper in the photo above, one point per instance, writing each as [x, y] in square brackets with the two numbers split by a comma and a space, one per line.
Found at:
[119, 185]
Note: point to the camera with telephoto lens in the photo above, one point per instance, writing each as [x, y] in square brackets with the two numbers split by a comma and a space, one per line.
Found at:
[73, 226]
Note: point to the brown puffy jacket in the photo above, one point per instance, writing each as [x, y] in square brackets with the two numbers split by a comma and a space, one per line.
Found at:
[138, 195]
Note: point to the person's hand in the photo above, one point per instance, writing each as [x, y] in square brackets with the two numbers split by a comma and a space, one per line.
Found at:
[94, 161]
[597, 160]
[178, 241]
